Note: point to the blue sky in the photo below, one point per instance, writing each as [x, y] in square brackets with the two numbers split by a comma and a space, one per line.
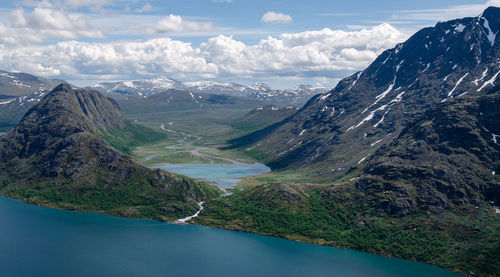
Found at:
[282, 43]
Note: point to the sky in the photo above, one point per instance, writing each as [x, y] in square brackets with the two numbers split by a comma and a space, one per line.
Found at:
[281, 43]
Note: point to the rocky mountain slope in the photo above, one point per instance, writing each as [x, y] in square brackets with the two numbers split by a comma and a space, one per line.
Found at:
[336, 130]
[431, 195]
[18, 84]
[447, 157]
[259, 91]
[61, 154]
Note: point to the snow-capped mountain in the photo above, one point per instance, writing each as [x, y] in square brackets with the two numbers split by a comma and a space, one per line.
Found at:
[17, 84]
[335, 130]
[259, 91]
[140, 87]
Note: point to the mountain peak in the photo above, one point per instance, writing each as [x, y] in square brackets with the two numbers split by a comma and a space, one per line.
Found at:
[61, 153]
[336, 130]
[492, 13]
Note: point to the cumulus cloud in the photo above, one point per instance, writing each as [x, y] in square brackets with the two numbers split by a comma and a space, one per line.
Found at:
[315, 54]
[276, 18]
[175, 23]
[223, 1]
[44, 24]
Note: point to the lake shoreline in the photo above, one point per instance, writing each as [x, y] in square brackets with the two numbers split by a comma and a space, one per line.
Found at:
[305, 240]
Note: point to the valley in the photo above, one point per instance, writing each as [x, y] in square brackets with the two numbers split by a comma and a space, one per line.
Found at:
[399, 160]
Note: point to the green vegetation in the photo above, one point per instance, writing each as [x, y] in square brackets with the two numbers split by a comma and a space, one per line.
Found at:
[131, 136]
[130, 198]
[466, 239]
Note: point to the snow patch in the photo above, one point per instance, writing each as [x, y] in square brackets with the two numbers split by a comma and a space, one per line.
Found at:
[490, 81]
[458, 83]
[382, 95]
[387, 58]
[368, 118]
[427, 67]
[377, 142]
[360, 161]
[399, 65]
[382, 119]
[476, 82]
[490, 35]
[324, 96]
[357, 78]
[7, 102]
[460, 28]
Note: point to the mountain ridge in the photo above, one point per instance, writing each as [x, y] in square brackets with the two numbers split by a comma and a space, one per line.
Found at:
[336, 130]
[259, 91]
[59, 155]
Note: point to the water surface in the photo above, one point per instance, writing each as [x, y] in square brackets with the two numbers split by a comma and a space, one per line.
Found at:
[224, 175]
[38, 241]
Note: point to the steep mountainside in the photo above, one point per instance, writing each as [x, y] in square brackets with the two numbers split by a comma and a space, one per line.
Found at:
[17, 84]
[447, 157]
[333, 131]
[59, 155]
[431, 195]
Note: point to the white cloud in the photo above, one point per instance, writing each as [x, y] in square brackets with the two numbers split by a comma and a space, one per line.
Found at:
[276, 18]
[146, 8]
[448, 13]
[72, 4]
[223, 1]
[44, 24]
[175, 23]
[314, 54]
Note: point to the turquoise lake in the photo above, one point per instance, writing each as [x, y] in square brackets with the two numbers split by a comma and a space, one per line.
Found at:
[38, 241]
[224, 175]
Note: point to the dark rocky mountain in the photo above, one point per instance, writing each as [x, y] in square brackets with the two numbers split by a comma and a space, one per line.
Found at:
[336, 130]
[61, 154]
[432, 195]
[447, 157]
[18, 84]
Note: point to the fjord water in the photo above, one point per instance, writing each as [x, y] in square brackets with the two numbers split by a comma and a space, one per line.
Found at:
[38, 241]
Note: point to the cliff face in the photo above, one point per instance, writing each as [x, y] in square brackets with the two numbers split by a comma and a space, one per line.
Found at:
[57, 155]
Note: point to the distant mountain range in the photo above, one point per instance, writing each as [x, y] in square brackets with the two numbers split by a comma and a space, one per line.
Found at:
[20, 91]
[18, 84]
[259, 91]
[339, 129]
